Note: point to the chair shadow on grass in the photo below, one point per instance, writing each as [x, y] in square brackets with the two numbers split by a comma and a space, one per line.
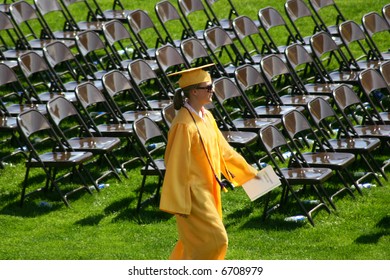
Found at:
[92, 220]
[39, 203]
[382, 229]
[273, 221]
[125, 210]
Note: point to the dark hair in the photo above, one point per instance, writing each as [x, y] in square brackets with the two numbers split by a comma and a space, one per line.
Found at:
[181, 95]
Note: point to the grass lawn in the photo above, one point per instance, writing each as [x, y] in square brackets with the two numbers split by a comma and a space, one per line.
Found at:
[105, 225]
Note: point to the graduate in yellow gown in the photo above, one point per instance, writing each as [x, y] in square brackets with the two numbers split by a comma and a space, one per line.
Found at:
[190, 190]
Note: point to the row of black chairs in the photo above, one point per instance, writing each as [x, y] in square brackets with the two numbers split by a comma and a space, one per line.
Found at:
[173, 57]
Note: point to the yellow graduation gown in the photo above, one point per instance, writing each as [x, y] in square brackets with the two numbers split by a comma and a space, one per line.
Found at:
[190, 190]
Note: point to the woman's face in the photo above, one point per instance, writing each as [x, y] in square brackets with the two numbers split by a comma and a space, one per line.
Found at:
[204, 93]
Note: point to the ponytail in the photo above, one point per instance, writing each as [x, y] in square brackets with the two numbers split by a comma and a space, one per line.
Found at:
[178, 100]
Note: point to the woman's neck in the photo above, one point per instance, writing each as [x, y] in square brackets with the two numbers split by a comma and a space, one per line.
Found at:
[196, 106]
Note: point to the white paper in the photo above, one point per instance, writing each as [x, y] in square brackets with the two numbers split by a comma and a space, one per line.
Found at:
[265, 181]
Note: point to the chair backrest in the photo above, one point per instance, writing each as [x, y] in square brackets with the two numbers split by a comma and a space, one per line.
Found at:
[385, 71]
[350, 106]
[251, 39]
[170, 20]
[352, 33]
[372, 80]
[249, 78]
[299, 130]
[274, 67]
[223, 49]
[326, 119]
[7, 75]
[191, 9]
[31, 63]
[168, 114]
[115, 82]
[301, 18]
[88, 41]
[11, 87]
[26, 18]
[215, 6]
[119, 39]
[147, 131]
[143, 29]
[302, 62]
[31, 122]
[328, 14]
[324, 48]
[53, 9]
[38, 75]
[170, 59]
[226, 90]
[194, 52]
[9, 35]
[93, 51]
[57, 55]
[374, 87]
[146, 81]
[89, 96]
[376, 28]
[118, 11]
[373, 23]
[274, 143]
[270, 18]
[60, 109]
[386, 12]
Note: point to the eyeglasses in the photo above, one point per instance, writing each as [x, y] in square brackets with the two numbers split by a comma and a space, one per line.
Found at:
[208, 88]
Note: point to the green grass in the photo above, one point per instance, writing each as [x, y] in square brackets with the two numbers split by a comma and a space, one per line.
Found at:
[105, 225]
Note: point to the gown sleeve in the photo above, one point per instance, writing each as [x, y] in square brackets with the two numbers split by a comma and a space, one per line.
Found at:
[175, 193]
[233, 165]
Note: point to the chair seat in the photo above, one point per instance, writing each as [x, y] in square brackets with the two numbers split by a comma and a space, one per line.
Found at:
[152, 63]
[329, 159]
[115, 14]
[46, 96]
[16, 109]
[8, 123]
[308, 175]
[66, 35]
[344, 77]
[97, 144]
[132, 116]
[254, 124]
[70, 86]
[116, 129]
[159, 104]
[90, 25]
[239, 138]
[380, 131]
[369, 64]
[325, 88]
[10, 63]
[150, 170]
[39, 44]
[276, 111]
[385, 116]
[301, 100]
[61, 159]
[354, 145]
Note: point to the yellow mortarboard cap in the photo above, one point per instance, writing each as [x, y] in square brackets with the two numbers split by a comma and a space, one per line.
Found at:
[193, 76]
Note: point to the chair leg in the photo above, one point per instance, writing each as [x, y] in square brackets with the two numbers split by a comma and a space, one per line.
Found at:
[141, 191]
[24, 186]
